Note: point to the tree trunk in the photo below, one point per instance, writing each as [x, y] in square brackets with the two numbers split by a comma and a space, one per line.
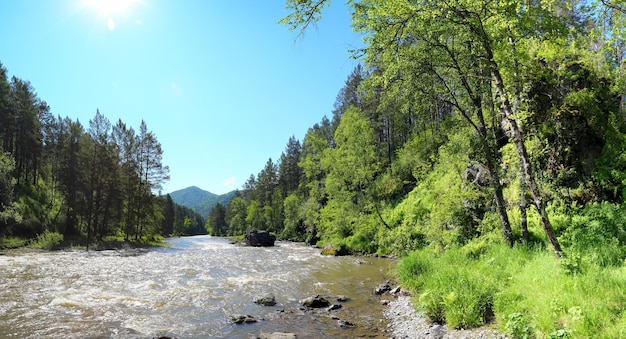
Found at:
[516, 135]
[523, 205]
[492, 166]
[527, 171]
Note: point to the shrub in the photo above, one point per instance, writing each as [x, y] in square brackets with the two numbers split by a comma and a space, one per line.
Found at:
[597, 233]
[48, 240]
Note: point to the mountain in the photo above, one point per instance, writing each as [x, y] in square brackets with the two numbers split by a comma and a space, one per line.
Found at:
[200, 200]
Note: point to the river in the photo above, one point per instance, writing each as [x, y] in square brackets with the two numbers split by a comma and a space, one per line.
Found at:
[188, 290]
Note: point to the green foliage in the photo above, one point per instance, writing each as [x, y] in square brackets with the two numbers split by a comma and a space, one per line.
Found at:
[595, 234]
[294, 221]
[517, 327]
[48, 240]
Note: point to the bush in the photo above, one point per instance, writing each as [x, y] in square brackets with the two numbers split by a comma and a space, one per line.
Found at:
[48, 240]
[597, 233]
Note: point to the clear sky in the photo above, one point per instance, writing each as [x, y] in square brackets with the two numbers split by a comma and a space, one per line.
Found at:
[221, 84]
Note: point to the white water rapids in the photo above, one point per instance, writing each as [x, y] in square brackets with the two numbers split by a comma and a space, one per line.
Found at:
[186, 291]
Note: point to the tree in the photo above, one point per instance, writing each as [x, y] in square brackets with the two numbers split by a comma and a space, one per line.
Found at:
[72, 181]
[127, 144]
[463, 46]
[6, 115]
[169, 215]
[236, 214]
[350, 95]
[266, 182]
[289, 173]
[216, 224]
[152, 174]
[351, 166]
[8, 212]
[27, 143]
[102, 172]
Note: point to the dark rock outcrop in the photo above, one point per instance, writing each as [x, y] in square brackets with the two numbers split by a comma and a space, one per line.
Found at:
[260, 239]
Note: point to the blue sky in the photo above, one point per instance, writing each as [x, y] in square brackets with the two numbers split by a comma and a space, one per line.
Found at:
[221, 84]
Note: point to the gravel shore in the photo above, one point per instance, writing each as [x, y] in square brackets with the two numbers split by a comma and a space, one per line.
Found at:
[406, 323]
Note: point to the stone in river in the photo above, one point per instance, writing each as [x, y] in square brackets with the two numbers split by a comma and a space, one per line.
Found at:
[383, 288]
[242, 319]
[315, 302]
[265, 300]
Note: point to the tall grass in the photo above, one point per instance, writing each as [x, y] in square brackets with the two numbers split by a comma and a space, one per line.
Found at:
[527, 292]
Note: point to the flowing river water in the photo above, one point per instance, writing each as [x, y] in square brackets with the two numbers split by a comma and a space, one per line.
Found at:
[188, 290]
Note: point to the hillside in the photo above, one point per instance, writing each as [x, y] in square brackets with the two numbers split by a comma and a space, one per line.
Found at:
[199, 200]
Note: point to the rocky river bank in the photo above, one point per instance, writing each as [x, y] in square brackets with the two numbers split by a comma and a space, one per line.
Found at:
[395, 319]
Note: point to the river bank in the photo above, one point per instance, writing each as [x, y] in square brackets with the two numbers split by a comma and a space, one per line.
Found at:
[404, 322]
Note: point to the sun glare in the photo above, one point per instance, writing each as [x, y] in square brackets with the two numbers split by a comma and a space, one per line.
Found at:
[111, 10]
[110, 7]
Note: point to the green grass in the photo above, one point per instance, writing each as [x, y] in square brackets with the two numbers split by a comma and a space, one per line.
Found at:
[13, 242]
[528, 292]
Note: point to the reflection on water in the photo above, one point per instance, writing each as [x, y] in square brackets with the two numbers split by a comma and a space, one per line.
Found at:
[187, 291]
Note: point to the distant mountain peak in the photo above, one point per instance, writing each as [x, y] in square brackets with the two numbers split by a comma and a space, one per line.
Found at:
[200, 200]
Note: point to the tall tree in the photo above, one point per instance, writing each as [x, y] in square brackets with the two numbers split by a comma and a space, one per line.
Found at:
[289, 173]
[216, 222]
[152, 175]
[351, 166]
[127, 144]
[72, 181]
[6, 114]
[27, 144]
[169, 215]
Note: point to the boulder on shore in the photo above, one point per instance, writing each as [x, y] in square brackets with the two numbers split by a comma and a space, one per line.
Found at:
[260, 239]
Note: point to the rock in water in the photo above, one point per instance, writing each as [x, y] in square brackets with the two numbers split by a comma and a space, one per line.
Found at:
[315, 302]
[242, 319]
[260, 238]
[265, 300]
[383, 288]
[333, 307]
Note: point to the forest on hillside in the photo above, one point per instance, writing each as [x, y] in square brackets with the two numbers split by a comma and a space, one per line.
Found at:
[479, 140]
[465, 117]
[60, 180]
